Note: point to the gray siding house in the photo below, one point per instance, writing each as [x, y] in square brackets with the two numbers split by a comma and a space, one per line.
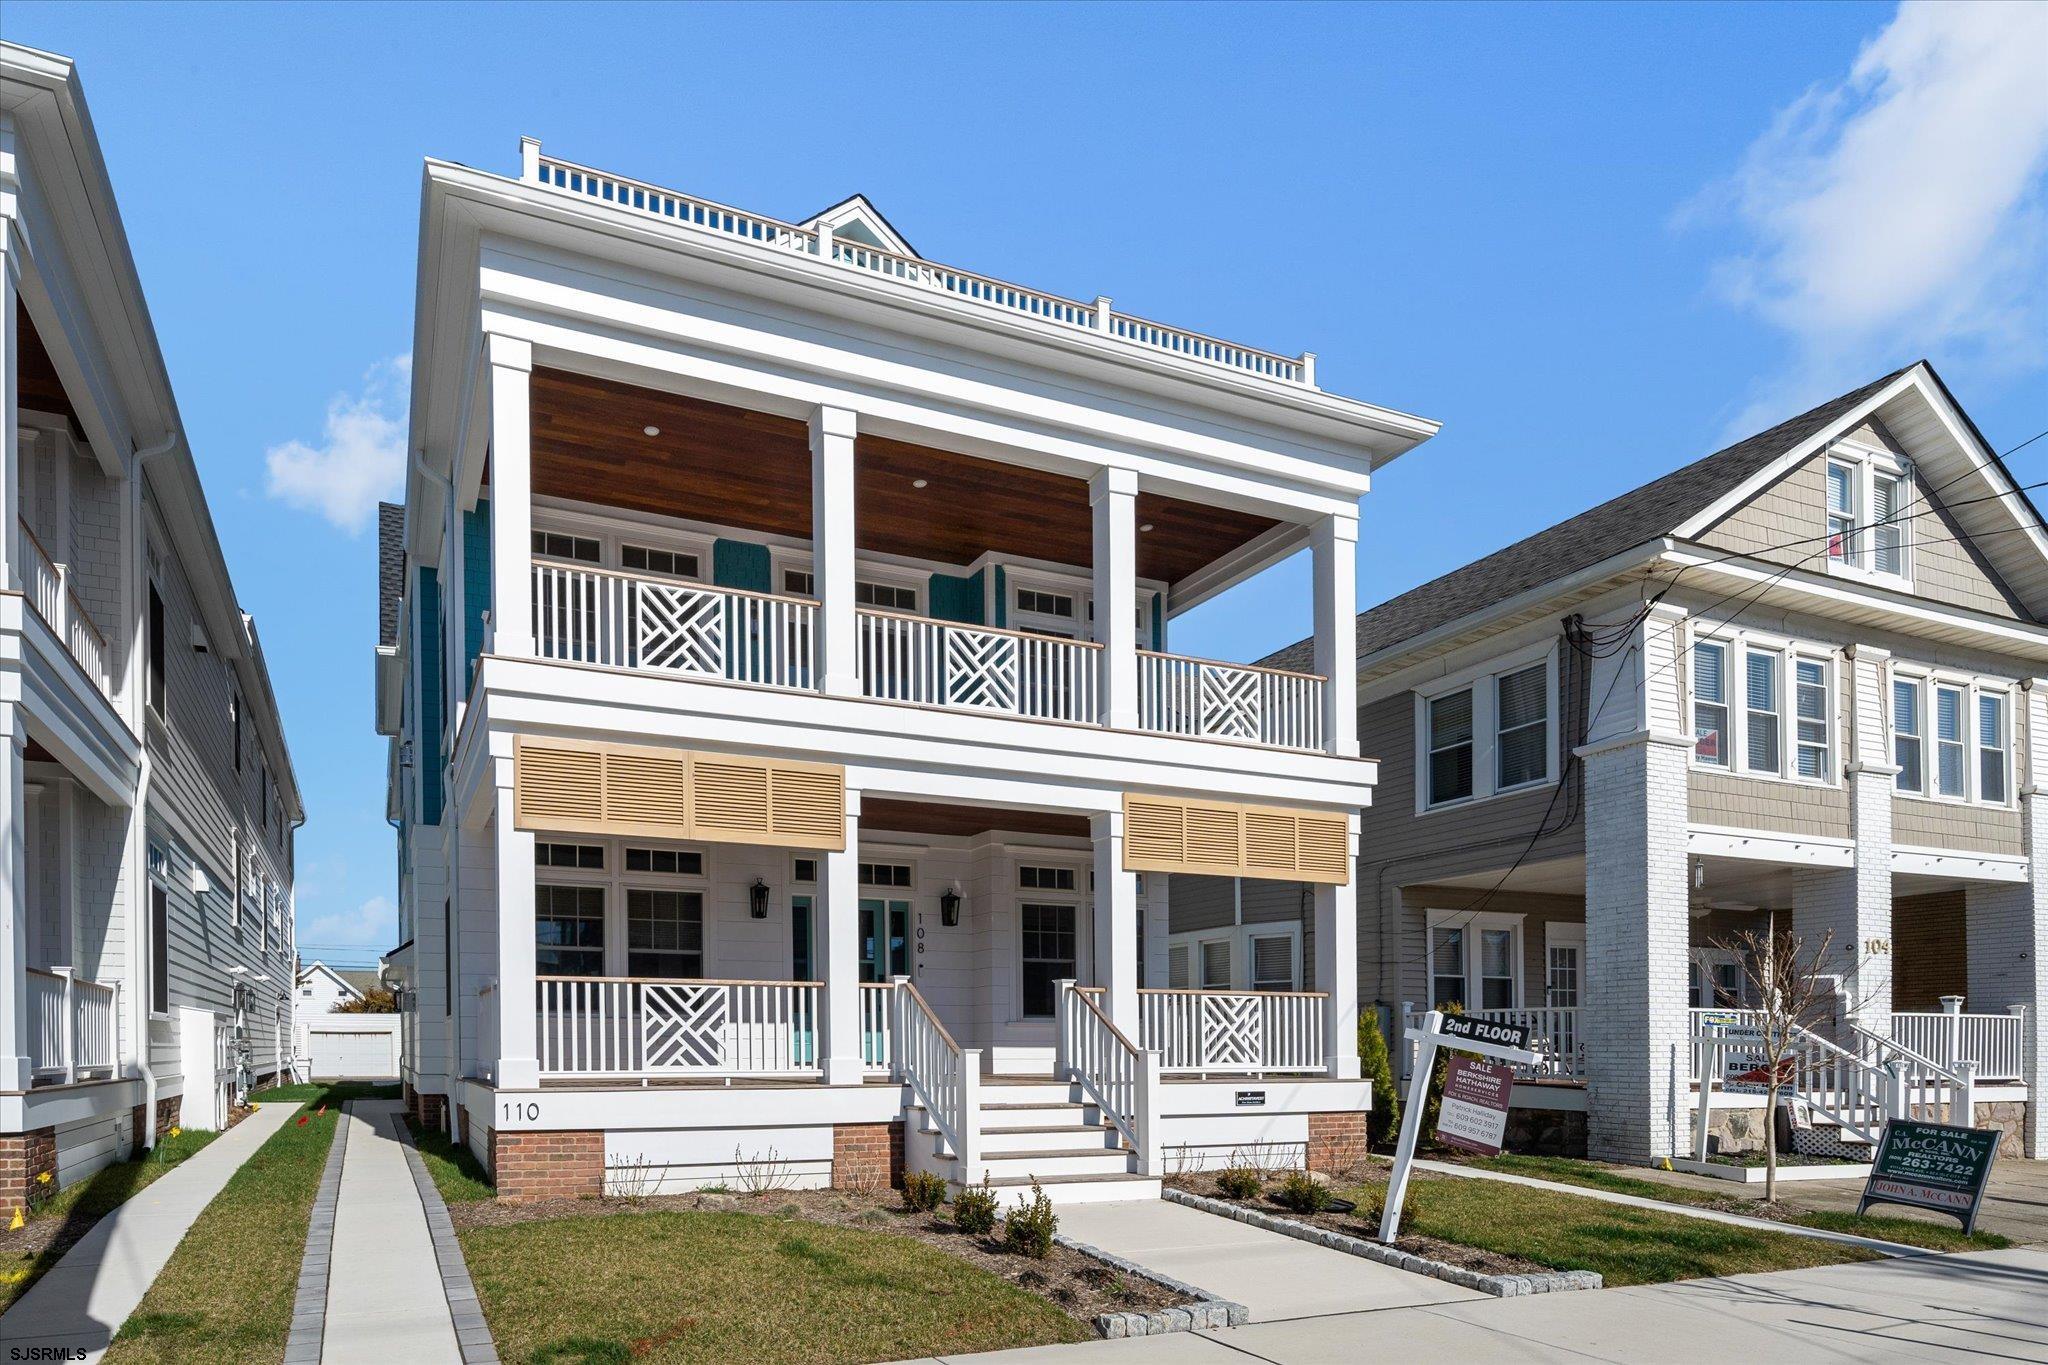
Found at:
[147, 803]
[1793, 686]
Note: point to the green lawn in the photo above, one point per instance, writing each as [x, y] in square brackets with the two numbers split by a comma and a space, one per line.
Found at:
[1571, 1171]
[457, 1174]
[226, 1293]
[1626, 1245]
[81, 1205]
[734, 1286]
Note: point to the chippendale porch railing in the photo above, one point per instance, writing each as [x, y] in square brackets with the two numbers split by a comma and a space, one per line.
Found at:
[628, 1027]
[977, 668]
[1205, 699]
[965, 286]
[596, 616]
[1234, 1032]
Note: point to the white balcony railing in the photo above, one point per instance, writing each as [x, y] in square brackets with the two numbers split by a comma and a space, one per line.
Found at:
[596, 616]
[71, 1025]
[1232, 1032]
[49, 592]
[965, 285]
[975, 668]
[1203, 699]
[1553, 1037]
[1997, 1043]
[633, 1027]
[877, 1034]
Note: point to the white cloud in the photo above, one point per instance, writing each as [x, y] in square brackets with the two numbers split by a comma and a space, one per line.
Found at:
[361, 458]
[373, 924]
[1897, 212]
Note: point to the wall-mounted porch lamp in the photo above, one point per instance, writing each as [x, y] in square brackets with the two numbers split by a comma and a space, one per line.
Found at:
[949, 906]
[757, 899]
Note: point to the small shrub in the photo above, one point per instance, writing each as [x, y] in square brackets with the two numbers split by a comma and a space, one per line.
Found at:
[1029, 1228]
[1383, 1124]
[975, 1210]
[923, 1191]
[1304, 1193]
[1239, 1182]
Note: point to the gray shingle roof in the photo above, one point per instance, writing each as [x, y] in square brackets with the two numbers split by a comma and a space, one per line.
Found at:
[390, 569]
[1634, 518]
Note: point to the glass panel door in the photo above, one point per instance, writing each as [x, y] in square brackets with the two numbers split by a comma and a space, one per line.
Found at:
[884, 939]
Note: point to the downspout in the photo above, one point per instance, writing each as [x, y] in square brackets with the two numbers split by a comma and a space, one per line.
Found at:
[140, 704]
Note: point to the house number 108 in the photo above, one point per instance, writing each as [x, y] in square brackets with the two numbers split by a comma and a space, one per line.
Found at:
[515, 1111]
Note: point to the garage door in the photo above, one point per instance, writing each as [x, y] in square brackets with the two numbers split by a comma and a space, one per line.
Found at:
[336, 1053]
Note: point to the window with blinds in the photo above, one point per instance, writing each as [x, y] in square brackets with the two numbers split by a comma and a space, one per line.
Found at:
[1487, 734]
[1522, 727]
[1272, 962]
[1908, 743]
[1968, 764]
[1450, 748]
[1710, 702]
[1760, 710]
[1216, 964]
[1869, 495]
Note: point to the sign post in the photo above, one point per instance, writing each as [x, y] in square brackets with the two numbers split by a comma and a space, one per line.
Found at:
[1932, 1166]
[1475, 1113]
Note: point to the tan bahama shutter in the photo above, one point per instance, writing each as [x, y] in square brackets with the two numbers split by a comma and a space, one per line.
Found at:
[1165, 834]
[572, 787]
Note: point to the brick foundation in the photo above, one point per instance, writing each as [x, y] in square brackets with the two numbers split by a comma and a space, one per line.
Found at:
[429, 1111]
[1336, 1142]
[547, 1165]
[867, 1155]
[23, 1157]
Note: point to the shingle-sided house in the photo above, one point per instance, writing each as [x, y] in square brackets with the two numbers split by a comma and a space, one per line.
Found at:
[1796, 683]
[788, 749]
[147, 802]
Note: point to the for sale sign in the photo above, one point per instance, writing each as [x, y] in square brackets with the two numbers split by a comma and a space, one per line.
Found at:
[1932, 1166]
[1474, 1114]
[1465, 1028]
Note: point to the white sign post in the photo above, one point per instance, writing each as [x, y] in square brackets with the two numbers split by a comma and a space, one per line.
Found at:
[1467, 1035]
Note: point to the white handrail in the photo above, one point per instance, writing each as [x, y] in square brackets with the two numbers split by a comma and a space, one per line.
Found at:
[660, 625]
[1202, 699]
[1234, 1032]
[646, 1026]
[945, 1078]
[941, 663]
[1995, 1042]
[1120, 1077]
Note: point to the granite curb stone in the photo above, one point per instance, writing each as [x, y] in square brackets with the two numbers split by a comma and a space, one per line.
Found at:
[1208, 1311]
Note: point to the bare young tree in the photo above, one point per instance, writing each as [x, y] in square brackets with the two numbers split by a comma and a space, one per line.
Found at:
[1789, 993]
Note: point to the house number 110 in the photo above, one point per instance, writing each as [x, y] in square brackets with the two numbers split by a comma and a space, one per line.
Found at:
[515, 1112]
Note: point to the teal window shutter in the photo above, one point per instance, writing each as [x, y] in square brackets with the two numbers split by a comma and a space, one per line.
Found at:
[956, 599]
[427, 619]
[740, 564]
[1158, 622]
[476, 584]
[1002, 599]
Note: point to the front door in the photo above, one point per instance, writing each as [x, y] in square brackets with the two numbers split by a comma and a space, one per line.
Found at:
[884, 939]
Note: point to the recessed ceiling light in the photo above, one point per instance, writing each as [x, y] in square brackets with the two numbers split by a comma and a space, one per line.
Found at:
[1146, 527]
[651, 431]
[919, 483]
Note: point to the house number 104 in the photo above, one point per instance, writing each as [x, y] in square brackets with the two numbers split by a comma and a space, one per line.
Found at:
[1876, 946]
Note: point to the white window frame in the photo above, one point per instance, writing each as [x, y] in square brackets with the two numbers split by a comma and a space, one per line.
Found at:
[1790, 652]
[1483, 682]
[613, 535]
[1564, 934]
[864, 571]
[1865, 464]
[1972, 686]
[1473, 923]
[1239, 937]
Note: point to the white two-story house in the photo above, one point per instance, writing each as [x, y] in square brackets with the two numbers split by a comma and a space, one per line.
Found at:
[147, 803]
[788, 748]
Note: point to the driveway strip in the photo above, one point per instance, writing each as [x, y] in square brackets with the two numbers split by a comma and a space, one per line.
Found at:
[385, 1289]
[472, 1332]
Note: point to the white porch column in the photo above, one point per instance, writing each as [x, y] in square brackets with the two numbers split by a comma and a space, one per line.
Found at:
[838, 929]
[1638, 928]
[1336, 923]
[1113, 494]
[2006, 926]
[1334, 548]
[16, 1065]
[1116, 921]
[510, 362]
[518, 1049]
[11, 257]
[832, 542]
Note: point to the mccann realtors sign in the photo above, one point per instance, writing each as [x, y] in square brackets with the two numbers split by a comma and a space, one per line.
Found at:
[1932, 1166]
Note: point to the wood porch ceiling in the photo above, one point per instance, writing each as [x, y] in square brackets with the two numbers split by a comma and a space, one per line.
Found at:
[879, 814]
[38, 386]
[752, 470]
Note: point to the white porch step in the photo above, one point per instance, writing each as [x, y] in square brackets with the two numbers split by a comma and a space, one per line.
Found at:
[1077, 1189]
[1053, 1137]
[1036, 1115]
[1027, 1092]
[1048, 1165]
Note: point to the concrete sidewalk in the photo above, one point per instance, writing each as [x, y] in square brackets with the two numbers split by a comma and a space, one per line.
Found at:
[384, 1292]
[1985, 1306]
[1275, 1277]
[84, 1299]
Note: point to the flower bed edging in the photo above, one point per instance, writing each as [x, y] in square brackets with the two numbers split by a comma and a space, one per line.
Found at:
[1502, 1286]
[1207, 1311]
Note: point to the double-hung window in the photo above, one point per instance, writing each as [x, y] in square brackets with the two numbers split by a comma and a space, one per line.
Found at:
[1487, 734]
[1951, 753]
[1842, 504]
[1710, 702]
[1992, 748]
[1908, 735]
[1867, 495]
[1968, 764]
[1764, 708]
[1474, 960]
[1809, 681]
[1762, 716]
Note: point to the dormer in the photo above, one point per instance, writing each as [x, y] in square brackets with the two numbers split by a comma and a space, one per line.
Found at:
[856, 220]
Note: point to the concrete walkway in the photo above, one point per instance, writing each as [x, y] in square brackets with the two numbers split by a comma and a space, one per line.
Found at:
[79, 1305]
[384, 1292]
[1985, 1306]
[1275, 1277]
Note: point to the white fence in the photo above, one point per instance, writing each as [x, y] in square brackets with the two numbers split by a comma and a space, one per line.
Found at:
[975, 668]
[631, 1026]
[1233, 1032]
[1202, 699]
[960, 284]
[1997, 1043]
[1553, 1037]
[71, 1025]
[596, 616]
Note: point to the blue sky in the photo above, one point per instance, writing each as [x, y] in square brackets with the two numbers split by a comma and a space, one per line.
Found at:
[1595, 242]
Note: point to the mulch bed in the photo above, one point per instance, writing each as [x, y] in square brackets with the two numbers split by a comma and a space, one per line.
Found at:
[1358, 1224]
[1078, 1284]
